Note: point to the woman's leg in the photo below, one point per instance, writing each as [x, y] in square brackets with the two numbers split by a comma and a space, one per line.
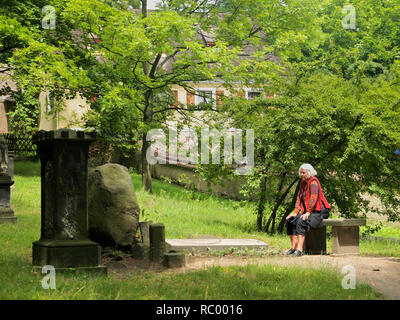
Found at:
[291, 232]
[302, 228]
[300, 242]
[293, 240]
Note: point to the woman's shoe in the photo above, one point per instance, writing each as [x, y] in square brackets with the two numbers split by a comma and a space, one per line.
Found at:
[297, 253]
[289, 252]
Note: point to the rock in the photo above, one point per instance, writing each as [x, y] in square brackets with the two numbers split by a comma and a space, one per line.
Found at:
[113, 209]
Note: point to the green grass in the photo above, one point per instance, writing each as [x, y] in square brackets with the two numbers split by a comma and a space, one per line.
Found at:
[389, 230]
[251, 282]
[185, 215]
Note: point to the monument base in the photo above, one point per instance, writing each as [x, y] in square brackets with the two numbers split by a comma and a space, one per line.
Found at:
[66, 254]
[99, 270]
[7, 216]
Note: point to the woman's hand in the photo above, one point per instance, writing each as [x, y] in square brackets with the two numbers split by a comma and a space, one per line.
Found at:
[305, 216]
[291, 215]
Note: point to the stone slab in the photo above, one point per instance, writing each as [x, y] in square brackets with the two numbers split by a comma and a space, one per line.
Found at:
[204, 245]
[345, 222]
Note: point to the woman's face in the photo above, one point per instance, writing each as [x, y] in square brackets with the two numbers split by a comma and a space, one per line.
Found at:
[303, 174]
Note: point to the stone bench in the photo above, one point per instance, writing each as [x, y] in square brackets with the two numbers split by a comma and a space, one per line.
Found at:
[345, 237]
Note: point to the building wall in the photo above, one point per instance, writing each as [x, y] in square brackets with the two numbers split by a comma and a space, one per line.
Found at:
[70, 116]
[3, 117]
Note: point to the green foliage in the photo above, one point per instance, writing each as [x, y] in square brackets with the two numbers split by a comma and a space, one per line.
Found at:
[370, 229]
[335, 106]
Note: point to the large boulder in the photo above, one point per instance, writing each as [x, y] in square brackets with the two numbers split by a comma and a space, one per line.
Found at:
[112, 206]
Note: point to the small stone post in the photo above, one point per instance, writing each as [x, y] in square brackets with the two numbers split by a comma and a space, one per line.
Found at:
[6, 181]
[64, 241]
[141, 250]
[145, 231]
[157, 242]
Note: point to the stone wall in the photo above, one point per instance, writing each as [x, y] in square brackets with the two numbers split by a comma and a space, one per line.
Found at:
[228, 189]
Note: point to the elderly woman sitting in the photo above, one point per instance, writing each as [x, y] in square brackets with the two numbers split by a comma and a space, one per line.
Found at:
[311, 208]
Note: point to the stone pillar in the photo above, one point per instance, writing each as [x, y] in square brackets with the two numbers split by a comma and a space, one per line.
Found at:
[345, 239]
[6, 181]
[157, 242]
[145, 231]
[315, 242]
[64, 242]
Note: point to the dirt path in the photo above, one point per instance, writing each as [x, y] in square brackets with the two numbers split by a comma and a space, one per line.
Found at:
[382, 273]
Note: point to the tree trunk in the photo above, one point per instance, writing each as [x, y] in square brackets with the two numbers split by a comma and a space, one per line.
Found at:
[278, 204]
[289, 209]
[147, 119]
[146, 173]
[261, 202]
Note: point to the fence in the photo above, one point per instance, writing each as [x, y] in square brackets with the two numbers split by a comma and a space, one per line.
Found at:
[20, 144]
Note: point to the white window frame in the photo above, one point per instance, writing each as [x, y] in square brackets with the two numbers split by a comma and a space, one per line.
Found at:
[252, 90]
[213, 95]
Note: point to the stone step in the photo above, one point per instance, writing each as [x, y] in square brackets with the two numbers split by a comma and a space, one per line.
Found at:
[204, 245]
[5, 219]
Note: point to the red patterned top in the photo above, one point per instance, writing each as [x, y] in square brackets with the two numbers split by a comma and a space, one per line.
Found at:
[301, 199]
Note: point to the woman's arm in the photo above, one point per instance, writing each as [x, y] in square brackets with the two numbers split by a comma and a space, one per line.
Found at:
[297, 208]
[314, 190]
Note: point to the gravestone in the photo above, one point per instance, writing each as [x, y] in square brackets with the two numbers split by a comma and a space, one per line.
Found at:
[6, 181]
[64, 241]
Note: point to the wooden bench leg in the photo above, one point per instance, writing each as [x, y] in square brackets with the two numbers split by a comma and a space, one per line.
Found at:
[315, 242]
[345, 240]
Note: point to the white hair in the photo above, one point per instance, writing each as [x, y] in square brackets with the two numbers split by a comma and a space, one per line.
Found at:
[309, 169]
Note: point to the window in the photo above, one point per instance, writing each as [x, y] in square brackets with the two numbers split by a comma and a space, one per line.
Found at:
[205, 96]
[250, 95]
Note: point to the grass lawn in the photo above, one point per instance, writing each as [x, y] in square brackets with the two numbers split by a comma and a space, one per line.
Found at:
[185, 215]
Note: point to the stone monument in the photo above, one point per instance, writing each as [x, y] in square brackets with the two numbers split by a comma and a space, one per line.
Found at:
[64, 242]
[6, 181]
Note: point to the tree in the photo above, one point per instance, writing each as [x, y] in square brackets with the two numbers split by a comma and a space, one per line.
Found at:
[336, 107]
[127, 60]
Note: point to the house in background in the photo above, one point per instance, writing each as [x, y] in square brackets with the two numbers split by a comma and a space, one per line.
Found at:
[70, 116]
[6, 104]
